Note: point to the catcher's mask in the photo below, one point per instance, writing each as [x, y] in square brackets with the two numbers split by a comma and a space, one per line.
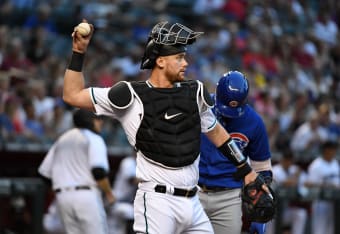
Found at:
[231, 94]
[167, 39]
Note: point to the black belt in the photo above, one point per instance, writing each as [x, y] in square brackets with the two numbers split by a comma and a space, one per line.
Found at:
[82, 187]
[177, 191]
[213, 189]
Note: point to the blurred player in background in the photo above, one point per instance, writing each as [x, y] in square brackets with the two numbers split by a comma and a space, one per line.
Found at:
[120, 216]
[52, 222]
[220, 191]
[288, 174]
[78, 167]
[324, 174]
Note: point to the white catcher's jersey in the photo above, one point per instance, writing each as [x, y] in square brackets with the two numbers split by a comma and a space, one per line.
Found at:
[186, 176]
[70, 159]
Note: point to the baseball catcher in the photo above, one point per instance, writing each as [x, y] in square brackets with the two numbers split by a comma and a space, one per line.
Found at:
[163, 118]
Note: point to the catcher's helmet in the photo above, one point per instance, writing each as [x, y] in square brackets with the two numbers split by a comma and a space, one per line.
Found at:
[231, 94]
[167, 39]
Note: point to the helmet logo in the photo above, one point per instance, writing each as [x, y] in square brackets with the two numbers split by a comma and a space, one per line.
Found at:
[233, 89]
[233, 103]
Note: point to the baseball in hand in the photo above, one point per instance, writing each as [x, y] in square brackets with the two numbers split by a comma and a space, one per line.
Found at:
[83, 29]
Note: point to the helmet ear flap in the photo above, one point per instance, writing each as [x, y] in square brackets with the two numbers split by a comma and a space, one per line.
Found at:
[150, 55]
[154, 52]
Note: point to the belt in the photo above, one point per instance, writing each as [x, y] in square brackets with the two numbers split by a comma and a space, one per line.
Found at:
[212, 189]
[177, 191]
[82, 187]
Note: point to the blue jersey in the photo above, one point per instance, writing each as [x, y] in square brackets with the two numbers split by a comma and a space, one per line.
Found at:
[249, 133]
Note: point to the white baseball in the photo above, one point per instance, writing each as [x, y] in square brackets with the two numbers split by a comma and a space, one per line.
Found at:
[83, 29]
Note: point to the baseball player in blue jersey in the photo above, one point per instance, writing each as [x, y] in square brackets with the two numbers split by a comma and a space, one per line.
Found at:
[220, 191]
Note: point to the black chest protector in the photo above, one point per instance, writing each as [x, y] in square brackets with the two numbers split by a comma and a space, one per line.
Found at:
[170, 129]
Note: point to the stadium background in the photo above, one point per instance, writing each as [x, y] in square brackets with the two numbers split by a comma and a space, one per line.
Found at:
[289, 50]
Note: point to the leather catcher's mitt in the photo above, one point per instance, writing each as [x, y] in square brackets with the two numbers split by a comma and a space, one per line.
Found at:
[257, 204]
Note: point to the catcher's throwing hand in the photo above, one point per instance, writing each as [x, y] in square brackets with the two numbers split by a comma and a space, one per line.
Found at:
[79, 42]
[258, 201]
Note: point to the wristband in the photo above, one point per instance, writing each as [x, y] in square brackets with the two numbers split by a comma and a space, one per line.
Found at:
[231, 151]
[77, 61]
[242, 171]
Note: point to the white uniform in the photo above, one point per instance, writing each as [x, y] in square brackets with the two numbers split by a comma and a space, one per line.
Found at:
[124, 193]
[68, 164]
[294, 215]
[157, 212]
[325, 174]
[52, 221]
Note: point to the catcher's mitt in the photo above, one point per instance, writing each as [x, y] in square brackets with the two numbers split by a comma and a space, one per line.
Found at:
[257, 204]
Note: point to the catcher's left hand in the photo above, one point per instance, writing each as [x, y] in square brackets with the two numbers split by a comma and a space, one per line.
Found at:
[258, 205]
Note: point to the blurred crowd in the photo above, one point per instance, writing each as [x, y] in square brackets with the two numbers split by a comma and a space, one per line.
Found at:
[289, 51]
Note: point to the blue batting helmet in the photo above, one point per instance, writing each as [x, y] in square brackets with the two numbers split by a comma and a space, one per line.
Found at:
[231, 94]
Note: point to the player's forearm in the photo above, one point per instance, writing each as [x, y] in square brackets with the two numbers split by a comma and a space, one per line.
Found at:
[226, 145]
[74, 92]
[101, 177]
[104, 185]
[218, 135]
[222, 140]
[258, 166]
[73, 79]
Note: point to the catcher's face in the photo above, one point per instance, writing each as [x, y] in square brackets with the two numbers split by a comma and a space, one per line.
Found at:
[175, 67]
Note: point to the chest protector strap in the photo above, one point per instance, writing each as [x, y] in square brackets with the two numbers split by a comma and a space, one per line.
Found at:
[170, 130]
